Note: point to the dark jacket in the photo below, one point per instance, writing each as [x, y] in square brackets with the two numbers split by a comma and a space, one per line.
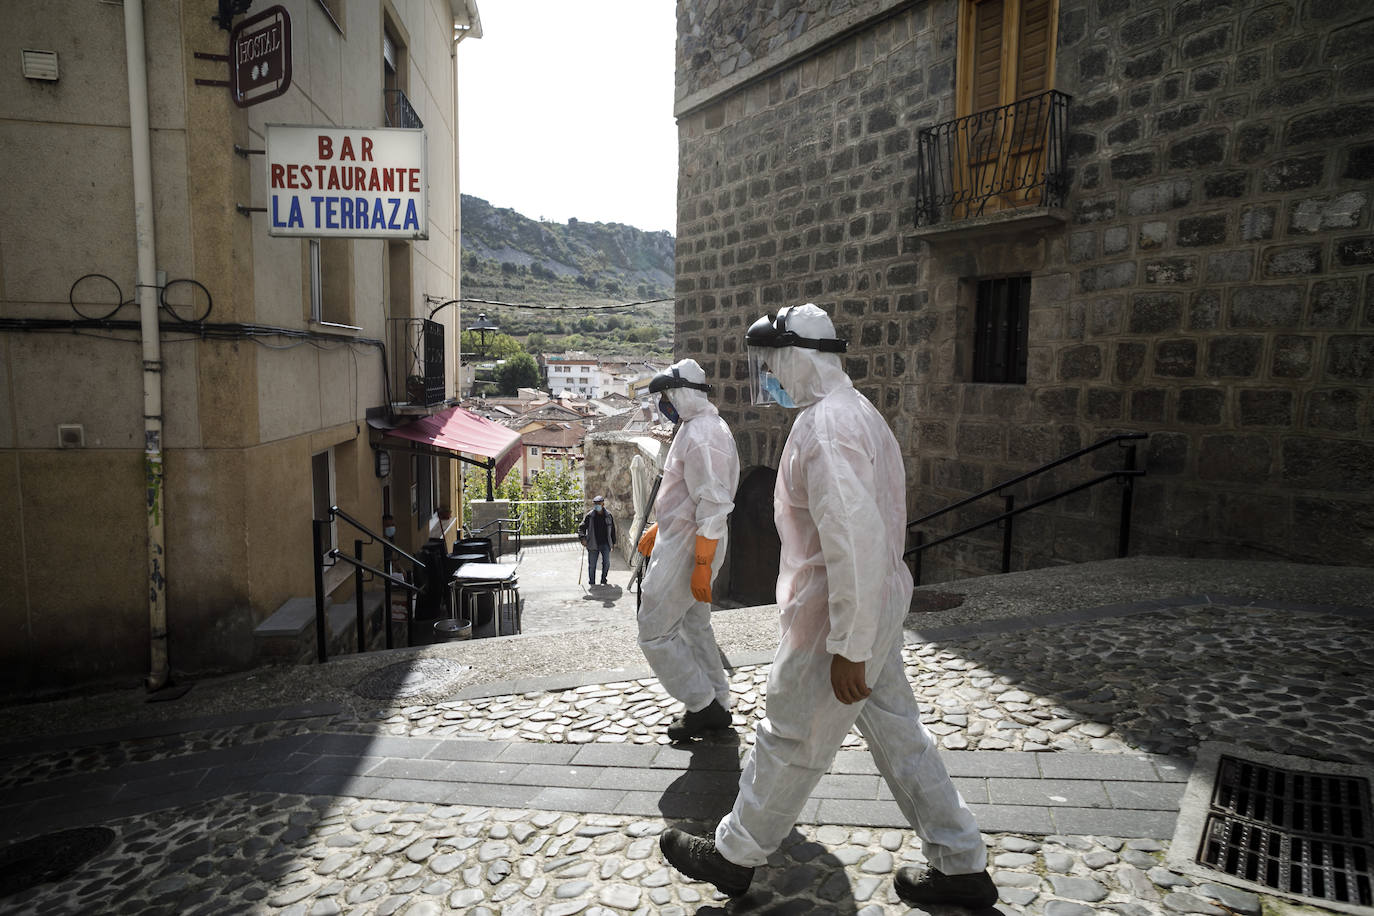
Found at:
[586, 530]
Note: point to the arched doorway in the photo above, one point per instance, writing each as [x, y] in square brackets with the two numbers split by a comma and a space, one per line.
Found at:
[754, 541]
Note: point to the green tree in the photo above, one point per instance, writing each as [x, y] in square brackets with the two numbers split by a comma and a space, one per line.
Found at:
[519, 371]
[536, 343]
[501, 346]
[586, 323]
[551, 505]
[475, 488]
[556, 503]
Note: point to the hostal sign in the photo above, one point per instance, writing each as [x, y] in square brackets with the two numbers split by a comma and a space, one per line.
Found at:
[354, 182]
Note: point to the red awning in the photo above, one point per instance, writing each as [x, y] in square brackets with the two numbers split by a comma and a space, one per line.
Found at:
[457, 431]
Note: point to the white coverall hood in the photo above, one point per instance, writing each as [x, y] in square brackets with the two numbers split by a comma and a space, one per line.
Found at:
[805, 374]
[690, 402]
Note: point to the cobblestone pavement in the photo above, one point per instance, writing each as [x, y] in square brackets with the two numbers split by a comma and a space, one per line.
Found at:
[1291, 683]
[312, 856]
[1120, 688]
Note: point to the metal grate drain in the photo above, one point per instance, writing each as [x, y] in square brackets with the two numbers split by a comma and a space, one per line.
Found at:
[1298, 832]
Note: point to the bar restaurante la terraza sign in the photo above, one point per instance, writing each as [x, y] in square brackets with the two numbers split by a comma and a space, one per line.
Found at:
[354, 182]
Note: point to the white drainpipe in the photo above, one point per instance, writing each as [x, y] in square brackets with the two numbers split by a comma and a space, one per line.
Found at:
[145, 237]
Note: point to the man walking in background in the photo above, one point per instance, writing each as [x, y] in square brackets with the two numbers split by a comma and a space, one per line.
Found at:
[596, 531]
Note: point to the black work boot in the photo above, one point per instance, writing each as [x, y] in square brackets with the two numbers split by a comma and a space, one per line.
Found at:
[973, 891]
[696, 724]
[697, 857]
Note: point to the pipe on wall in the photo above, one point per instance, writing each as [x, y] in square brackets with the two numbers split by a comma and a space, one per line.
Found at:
[147, 294]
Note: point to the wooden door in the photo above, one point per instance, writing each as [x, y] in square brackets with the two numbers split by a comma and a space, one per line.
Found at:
[1006, 56]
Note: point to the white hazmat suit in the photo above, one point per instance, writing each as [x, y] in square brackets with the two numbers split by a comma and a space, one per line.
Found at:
[843, 589]
[694, 500]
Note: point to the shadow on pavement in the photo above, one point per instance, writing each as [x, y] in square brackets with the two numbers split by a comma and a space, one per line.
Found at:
[608, 595]
[1281, 679]
[802, 877]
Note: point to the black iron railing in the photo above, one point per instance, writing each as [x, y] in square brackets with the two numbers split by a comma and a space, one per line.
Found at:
[361, 573]
[993, 160]
[1126, 475]
[418, 348]
[507, 537]
[399, 112]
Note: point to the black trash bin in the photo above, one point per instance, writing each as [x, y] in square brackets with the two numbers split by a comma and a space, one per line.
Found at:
[432, 579]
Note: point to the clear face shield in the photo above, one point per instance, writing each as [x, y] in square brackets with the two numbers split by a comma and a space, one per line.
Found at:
[764, 387]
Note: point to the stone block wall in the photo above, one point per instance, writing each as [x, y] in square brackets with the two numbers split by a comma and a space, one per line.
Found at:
[1208, 282]
[1220, 258]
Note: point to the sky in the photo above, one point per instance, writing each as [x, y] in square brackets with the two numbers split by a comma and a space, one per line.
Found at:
[566, 110]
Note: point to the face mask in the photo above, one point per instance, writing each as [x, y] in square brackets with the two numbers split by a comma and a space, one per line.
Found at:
[776, 391]
[600, 508]
[389, 532]
[666, 407]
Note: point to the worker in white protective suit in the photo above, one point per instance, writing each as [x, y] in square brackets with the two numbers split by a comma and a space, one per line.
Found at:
[843, 592]
[685, 549]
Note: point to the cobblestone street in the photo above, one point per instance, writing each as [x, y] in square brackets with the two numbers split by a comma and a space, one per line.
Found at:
[1071, 737]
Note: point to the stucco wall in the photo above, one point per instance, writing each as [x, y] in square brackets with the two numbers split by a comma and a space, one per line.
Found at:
[242, 417]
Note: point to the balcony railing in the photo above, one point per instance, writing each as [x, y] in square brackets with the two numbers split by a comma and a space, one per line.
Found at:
[399, 112]
[417, 345]
[993, 160]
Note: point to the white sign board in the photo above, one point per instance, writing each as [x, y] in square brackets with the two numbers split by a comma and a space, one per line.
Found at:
[364, 182]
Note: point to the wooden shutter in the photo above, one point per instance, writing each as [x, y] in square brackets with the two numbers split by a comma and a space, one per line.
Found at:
[987, 55]
[1033, 56]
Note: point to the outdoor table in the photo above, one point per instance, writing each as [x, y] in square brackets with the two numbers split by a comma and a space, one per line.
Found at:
[472, 581]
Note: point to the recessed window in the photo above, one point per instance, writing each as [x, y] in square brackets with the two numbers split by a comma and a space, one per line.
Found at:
[322, 482]
[331, 282]
[1001, 315]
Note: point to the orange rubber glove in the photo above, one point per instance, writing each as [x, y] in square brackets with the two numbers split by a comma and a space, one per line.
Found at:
[646, 541]
[701, 572]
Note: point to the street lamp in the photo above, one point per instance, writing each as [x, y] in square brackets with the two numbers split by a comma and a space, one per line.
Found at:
[482, 328]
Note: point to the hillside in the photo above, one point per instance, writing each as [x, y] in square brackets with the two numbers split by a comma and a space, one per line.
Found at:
[509, 257]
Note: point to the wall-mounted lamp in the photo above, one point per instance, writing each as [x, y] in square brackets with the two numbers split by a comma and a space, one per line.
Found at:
[482, 328]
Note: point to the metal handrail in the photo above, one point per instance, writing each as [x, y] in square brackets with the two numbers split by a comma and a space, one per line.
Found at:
[381, 539]
[317, 539]
[1015, 152]
[1126, 474]
[524, 508]
[337, 554]
[505, 526]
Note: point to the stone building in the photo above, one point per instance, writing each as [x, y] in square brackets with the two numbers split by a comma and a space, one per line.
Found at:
[143, 537]
[1044, 222]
